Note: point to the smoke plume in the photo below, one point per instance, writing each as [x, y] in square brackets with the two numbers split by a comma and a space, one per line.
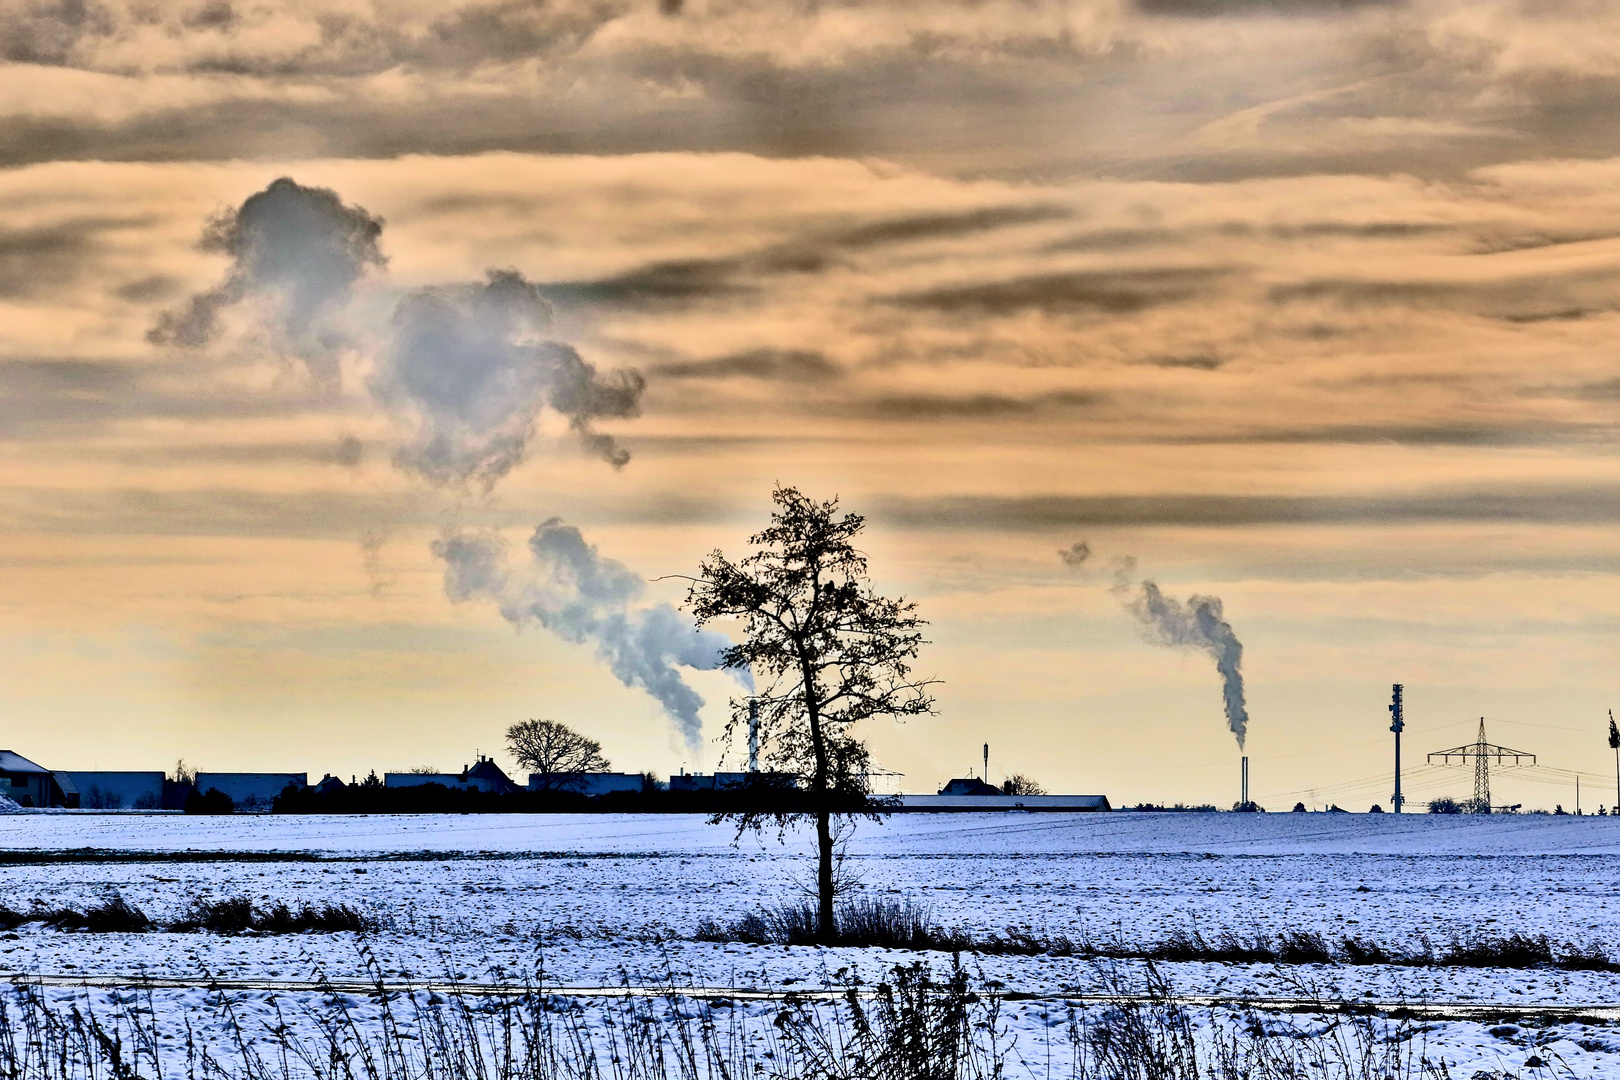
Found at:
[466, 364]
[1076, 554]
[469, 363]
[574, 592]
[1199, 623]
[295, 251]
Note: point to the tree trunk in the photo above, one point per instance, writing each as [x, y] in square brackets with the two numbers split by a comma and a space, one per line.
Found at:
[826, 926]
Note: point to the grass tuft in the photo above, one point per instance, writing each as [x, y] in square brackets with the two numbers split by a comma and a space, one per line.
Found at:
[233, 915]
[113, 915]
[237, 915]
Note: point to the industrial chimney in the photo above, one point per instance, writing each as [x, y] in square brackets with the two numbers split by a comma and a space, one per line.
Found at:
[753, 735]
[1244, 803]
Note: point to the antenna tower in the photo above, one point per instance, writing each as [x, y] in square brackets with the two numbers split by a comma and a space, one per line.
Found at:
[1481, 753]
[1397, 725]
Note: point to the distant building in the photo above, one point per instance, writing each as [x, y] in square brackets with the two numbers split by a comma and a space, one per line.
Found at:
[250, 790]
[1067, 804]
[117, 790]
[328, 785]
[967, 785]
[712, 782]
[484, 776]
[29, 784]
[421, 779]
[595, 783]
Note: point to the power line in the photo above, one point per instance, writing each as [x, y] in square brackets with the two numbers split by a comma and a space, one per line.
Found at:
[1550, 727]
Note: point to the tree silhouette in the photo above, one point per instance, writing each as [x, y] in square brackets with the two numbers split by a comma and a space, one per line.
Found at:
[556, 751]
[827, 651]
[1019, 784]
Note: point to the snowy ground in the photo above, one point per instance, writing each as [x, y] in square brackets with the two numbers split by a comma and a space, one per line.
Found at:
[602, 900]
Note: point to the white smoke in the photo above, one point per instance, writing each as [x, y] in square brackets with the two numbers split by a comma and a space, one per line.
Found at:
[468, 369]
[296, 255]
[469, 364]
[466, 366]
[571, 590]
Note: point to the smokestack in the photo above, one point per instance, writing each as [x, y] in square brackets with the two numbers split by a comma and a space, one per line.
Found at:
[753, 735]
[987, 763]
[1244, 802]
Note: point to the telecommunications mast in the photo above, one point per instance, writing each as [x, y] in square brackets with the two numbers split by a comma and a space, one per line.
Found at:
[1397, 725]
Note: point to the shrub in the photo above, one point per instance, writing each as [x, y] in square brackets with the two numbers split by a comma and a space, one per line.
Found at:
[883, 924]
[212, 801]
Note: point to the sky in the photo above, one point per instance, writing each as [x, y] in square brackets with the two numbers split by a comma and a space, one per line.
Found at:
[370, 370]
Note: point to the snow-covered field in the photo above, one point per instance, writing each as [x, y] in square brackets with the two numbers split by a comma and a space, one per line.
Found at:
[604, 900]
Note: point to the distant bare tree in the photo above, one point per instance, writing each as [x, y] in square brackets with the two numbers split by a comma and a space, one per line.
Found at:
[423, 770]
[1019, 784]
[183, 773]
[554, 749]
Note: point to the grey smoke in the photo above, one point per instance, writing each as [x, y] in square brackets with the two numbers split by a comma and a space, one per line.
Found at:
[1199, 623]
[469, 362]
[1076, 554]
[298, 251]
[582, 597]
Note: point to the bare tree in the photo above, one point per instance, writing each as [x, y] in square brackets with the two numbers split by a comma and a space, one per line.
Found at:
[828, 652]
[554, 750]
[1019, 784]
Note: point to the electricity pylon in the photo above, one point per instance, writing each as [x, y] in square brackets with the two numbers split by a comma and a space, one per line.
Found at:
[1481, 753]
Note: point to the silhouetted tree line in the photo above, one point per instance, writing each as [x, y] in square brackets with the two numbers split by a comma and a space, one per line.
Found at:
[762, 796]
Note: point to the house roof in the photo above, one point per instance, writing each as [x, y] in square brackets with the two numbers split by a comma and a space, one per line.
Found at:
[969, 785]
[11, 761]
[489, 771]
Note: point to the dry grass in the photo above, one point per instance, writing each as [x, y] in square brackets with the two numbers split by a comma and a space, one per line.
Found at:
[233, 915]
[912, 1025]
[906, 925]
